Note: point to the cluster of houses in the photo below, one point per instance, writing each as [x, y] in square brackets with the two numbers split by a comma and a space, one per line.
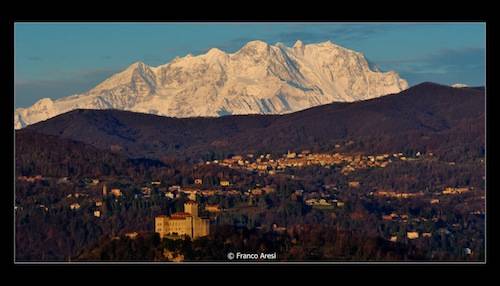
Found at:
[30, 179]
[455, 191]
[359, 161]
[314, 202]
[395, 216]
[75, 205]
[411, 235]
[407, 195]
[175, 191]
[267, 164]
[319, 199]
[60, 180]
[414, 235]
[171, 192]
[397, 195]
[73, 197]
[405, 218]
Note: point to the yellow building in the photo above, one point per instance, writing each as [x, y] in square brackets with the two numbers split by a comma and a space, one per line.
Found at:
[116, 192]
[183, 223]
[354, 184]
[454, 191]
[412, 234]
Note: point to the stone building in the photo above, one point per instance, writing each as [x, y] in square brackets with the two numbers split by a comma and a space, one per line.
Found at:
[183, 223]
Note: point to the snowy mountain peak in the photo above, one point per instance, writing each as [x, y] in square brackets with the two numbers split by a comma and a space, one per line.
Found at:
[255, 47]
[215, 54]
[256, 44]
[132, 75]
[43, 103]
[137, 65]
[258, 79]
[459, 85]
[298, 44]
[215, 51]
[299, 47]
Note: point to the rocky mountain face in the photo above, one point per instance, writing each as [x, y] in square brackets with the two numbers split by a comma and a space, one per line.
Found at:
[258, 79]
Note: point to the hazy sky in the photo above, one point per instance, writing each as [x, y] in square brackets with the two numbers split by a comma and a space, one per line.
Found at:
[60, 59]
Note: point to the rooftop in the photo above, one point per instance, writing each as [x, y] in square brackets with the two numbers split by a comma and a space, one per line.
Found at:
[180, 215]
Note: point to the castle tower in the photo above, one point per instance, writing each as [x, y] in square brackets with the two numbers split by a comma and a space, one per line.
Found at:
[192, 208]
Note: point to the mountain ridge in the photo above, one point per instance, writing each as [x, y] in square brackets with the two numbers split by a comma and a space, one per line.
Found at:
[257, 79]
[400, 120]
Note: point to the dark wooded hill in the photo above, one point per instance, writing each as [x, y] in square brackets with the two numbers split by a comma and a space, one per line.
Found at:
[53, 156]
[427, 117]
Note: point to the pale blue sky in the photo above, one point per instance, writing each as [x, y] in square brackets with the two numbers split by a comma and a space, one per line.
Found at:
[59, 59]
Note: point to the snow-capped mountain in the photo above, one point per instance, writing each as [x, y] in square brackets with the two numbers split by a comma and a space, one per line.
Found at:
[459, 85]
[259, 78]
